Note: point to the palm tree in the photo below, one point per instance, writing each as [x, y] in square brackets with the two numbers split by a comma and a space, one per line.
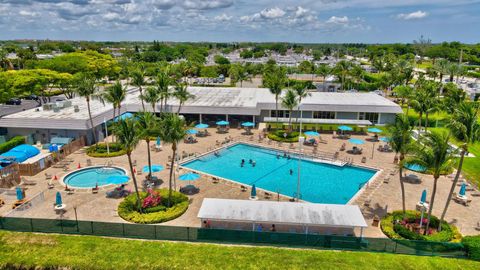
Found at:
[128, 137]
[323, 70]
[151, 96]
[275, 81]
[290, 101]
[138, 80]
[435, 155]
[115, 95]
[302, 92]
[342, 70]
[182, 95]
[404, 93]
[172, 130]
[400, 140]
[454, 69]
[441, 66]
[162, 83]
[147, 125]
[86, 88]
[464, 124]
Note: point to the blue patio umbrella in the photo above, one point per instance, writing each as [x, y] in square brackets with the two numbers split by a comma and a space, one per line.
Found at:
[463, 189]
[248, 124]
[192, 131]
[415, 167]
[423, 199]
[311, 133]
[254, 191]
[222, 123]
[155, 168]
[19, 193]
[124, 116]
[356, 141]
[118, 179]
[374, 130]
[345, 128]
[201, 125]
[385, 139]
[58, 198]
[189, 176]
[158, 141]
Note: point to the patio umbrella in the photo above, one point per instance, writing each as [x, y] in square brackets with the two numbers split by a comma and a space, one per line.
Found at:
[155, 168]
[385, 139]
[253, 194]
[189, 176]
[374, 130]
[424, 196]
[311, 133]
[463, 189]
[248, 124]
[58, 198]
[201, 126]
[118, 179]
[345, 128]
[192, 131]
[19, 193]
[415, 167]
[356, 141]
[222, 123]
[123, 116]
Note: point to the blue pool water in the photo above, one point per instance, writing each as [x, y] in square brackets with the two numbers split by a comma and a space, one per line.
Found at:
[319, 183]
[90, 177]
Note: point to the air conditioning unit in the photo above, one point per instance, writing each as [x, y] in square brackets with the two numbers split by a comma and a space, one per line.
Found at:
[47, 106]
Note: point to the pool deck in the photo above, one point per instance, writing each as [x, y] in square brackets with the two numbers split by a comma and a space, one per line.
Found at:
[384, 196]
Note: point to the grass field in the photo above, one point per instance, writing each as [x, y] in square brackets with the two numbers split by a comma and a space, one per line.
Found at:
[87, 252]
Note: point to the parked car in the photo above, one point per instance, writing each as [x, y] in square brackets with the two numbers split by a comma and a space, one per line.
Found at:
[32, 97]
[14, 101]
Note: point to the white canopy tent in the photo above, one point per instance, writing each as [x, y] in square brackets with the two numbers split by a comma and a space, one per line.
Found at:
[282, 213]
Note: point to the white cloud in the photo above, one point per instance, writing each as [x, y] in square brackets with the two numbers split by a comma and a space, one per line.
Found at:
[412, 16]
[300, 12]
[27, 13]
[338, 20]
[207, 4]
[272, 13]
[223, 18]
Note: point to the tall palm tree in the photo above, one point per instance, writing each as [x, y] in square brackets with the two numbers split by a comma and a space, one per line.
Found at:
[151, 96]
[182, 95]
[290, 101]
[302, 92]
[464, 124]
[172, 130]
[275, 81]
[115, 94]
[147, 126]
[86, 87]
[435, 155]
[138, 80]
[453, 70]
[404, 93]
[342, 70]
[401, 140]
[162, 83]
[441, 66]
[323, 70]
[128, 137]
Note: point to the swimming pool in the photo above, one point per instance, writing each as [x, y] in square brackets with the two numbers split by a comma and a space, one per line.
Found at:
[91, 176]
[319, 182]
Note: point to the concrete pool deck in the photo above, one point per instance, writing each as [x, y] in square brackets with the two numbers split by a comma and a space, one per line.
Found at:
[384, 196]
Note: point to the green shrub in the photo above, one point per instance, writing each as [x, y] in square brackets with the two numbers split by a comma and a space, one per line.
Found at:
[472, 245]
[100, 150]
[15, 141]
[278, 135]
[158, 214]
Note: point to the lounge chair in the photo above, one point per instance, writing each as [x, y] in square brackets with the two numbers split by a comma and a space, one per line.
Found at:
[364, 159]
[268, 195]
[69, 190]
[367, 202]
[50, 185]
[89, 162]
[243, 188]
[215, 180]
[342, 148]
[27, 182]
[48, 176]
[95, 190]
[386, 180]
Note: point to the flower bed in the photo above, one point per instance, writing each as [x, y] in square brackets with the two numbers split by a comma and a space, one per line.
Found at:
[278, 135]
[395, 227]
[154, 207]
[100, 150]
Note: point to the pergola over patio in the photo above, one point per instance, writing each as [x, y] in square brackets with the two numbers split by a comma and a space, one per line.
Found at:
[287, 216]
[320, 121]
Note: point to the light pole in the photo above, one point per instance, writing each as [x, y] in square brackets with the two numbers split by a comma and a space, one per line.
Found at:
[300, 144]
[106, 136]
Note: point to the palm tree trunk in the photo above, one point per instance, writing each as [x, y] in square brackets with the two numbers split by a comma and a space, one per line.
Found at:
[420, 122]
[134, 179]
[290, 121]
[402, 187]
[149, 157]
[141, 94]
[426, 122]
[153, 108]
[174, 150]
[298, 113]
[113, 120]
[432, 200]
[452, 188]
[276, 108]
[179, 108]
[91, 122]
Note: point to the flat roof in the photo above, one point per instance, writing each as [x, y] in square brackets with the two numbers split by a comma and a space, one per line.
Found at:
[292, 213]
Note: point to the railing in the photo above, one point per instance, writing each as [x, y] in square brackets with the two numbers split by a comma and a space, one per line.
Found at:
[159, 232]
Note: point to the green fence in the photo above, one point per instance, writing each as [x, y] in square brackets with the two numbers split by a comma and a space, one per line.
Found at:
[159, 232]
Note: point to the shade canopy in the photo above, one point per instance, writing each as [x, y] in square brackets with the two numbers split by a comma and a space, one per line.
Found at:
[463, 190]
[385, 139]
[374, 130]
[311, 133]
[356, 141]
[124, 116]
[415, 167]
[58, 198]
[201, 125]
[248, 124]
[155, 168]
[423, 199]
[189, 177]
[253, 193]
[19, 193]
[222, 123]
[345, 128]
[118, 179]
[192, 131]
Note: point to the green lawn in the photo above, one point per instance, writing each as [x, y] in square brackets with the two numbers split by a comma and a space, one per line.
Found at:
[424, 64]
[88, 252]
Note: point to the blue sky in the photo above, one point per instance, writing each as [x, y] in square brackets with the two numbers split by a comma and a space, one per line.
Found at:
[369, 21]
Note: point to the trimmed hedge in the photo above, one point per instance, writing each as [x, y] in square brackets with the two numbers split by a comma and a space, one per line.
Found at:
[472, 245]
[100, 150]
[15, 141]
[449, 232]
[158, 214]
[277, 135]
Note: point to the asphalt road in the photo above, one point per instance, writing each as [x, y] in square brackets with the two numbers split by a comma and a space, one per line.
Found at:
[9, 109]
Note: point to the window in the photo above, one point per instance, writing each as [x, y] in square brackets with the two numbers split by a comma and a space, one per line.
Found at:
[324, 115]
[372, 117]
[273, 113]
